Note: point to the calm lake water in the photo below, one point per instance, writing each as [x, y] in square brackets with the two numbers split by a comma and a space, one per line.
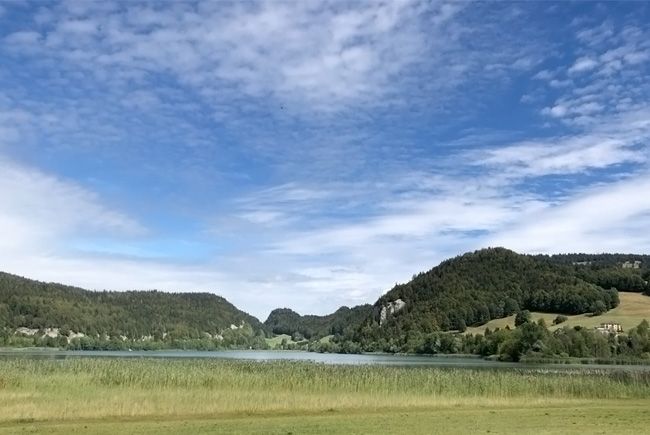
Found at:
[324, 358]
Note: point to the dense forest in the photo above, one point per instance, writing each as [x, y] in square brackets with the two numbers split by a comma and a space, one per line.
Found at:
[343, 321]
[132, 316]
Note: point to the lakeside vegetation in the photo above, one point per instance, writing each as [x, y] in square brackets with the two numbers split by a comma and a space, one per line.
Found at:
[179, 396]
[530, 341]
[243, 337]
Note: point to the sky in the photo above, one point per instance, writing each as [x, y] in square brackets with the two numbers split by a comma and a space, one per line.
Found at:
[312, 154]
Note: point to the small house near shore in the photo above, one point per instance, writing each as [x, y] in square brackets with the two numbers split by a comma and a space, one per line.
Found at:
[632, 265]
[610, 327]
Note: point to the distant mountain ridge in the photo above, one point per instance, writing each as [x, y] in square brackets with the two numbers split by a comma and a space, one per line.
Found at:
[342, 321]
[133, 314]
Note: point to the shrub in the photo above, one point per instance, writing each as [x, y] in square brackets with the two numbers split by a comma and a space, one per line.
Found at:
[598, 308]
[522, 317]
[560, 319]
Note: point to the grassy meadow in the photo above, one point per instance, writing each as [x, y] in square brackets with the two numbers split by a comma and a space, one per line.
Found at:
[208, 396]
[276, 341]
[634, 307]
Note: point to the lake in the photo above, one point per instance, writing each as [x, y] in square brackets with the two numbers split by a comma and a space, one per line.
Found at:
[323, 358]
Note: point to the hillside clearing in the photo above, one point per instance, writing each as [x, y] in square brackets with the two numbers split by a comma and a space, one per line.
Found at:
[634, 307]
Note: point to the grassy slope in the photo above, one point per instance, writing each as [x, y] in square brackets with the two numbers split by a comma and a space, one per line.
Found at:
[634, 307]
[277, 340]
[171, 396]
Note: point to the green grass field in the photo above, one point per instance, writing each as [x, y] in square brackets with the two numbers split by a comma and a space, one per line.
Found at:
[275, 341]
[634, 307]
[206, 396]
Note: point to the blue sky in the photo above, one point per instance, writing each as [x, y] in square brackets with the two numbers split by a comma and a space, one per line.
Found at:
[313, 154]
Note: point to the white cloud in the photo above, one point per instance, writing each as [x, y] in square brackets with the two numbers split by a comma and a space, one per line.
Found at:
[302, 56]
[544, 75]
[637, 57]
[624, 138]
[424, 219]
[583, 64]
[609, 218]
[597, 35]
[608, 80]
[40, 211]
[557, 111]
[295, 52]
[22, 39]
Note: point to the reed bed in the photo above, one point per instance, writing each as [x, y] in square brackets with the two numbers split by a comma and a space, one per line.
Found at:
[101, 388]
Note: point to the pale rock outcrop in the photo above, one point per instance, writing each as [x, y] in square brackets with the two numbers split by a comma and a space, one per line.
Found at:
[26, 331]
[75, 335]
[241, 325]
[52, 332]
[390, 309]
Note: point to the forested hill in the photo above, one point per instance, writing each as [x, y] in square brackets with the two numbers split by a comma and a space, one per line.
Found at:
[133, 314]
[342, 322]
[491, 283]
[474, 288]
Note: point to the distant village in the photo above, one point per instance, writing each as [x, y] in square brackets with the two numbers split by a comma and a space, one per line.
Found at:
[626, 265]
[632, 265]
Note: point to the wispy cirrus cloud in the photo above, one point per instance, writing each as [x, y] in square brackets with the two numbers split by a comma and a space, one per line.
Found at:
[301, 52]
[583, 64]
[607, 76]
[623, 139]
